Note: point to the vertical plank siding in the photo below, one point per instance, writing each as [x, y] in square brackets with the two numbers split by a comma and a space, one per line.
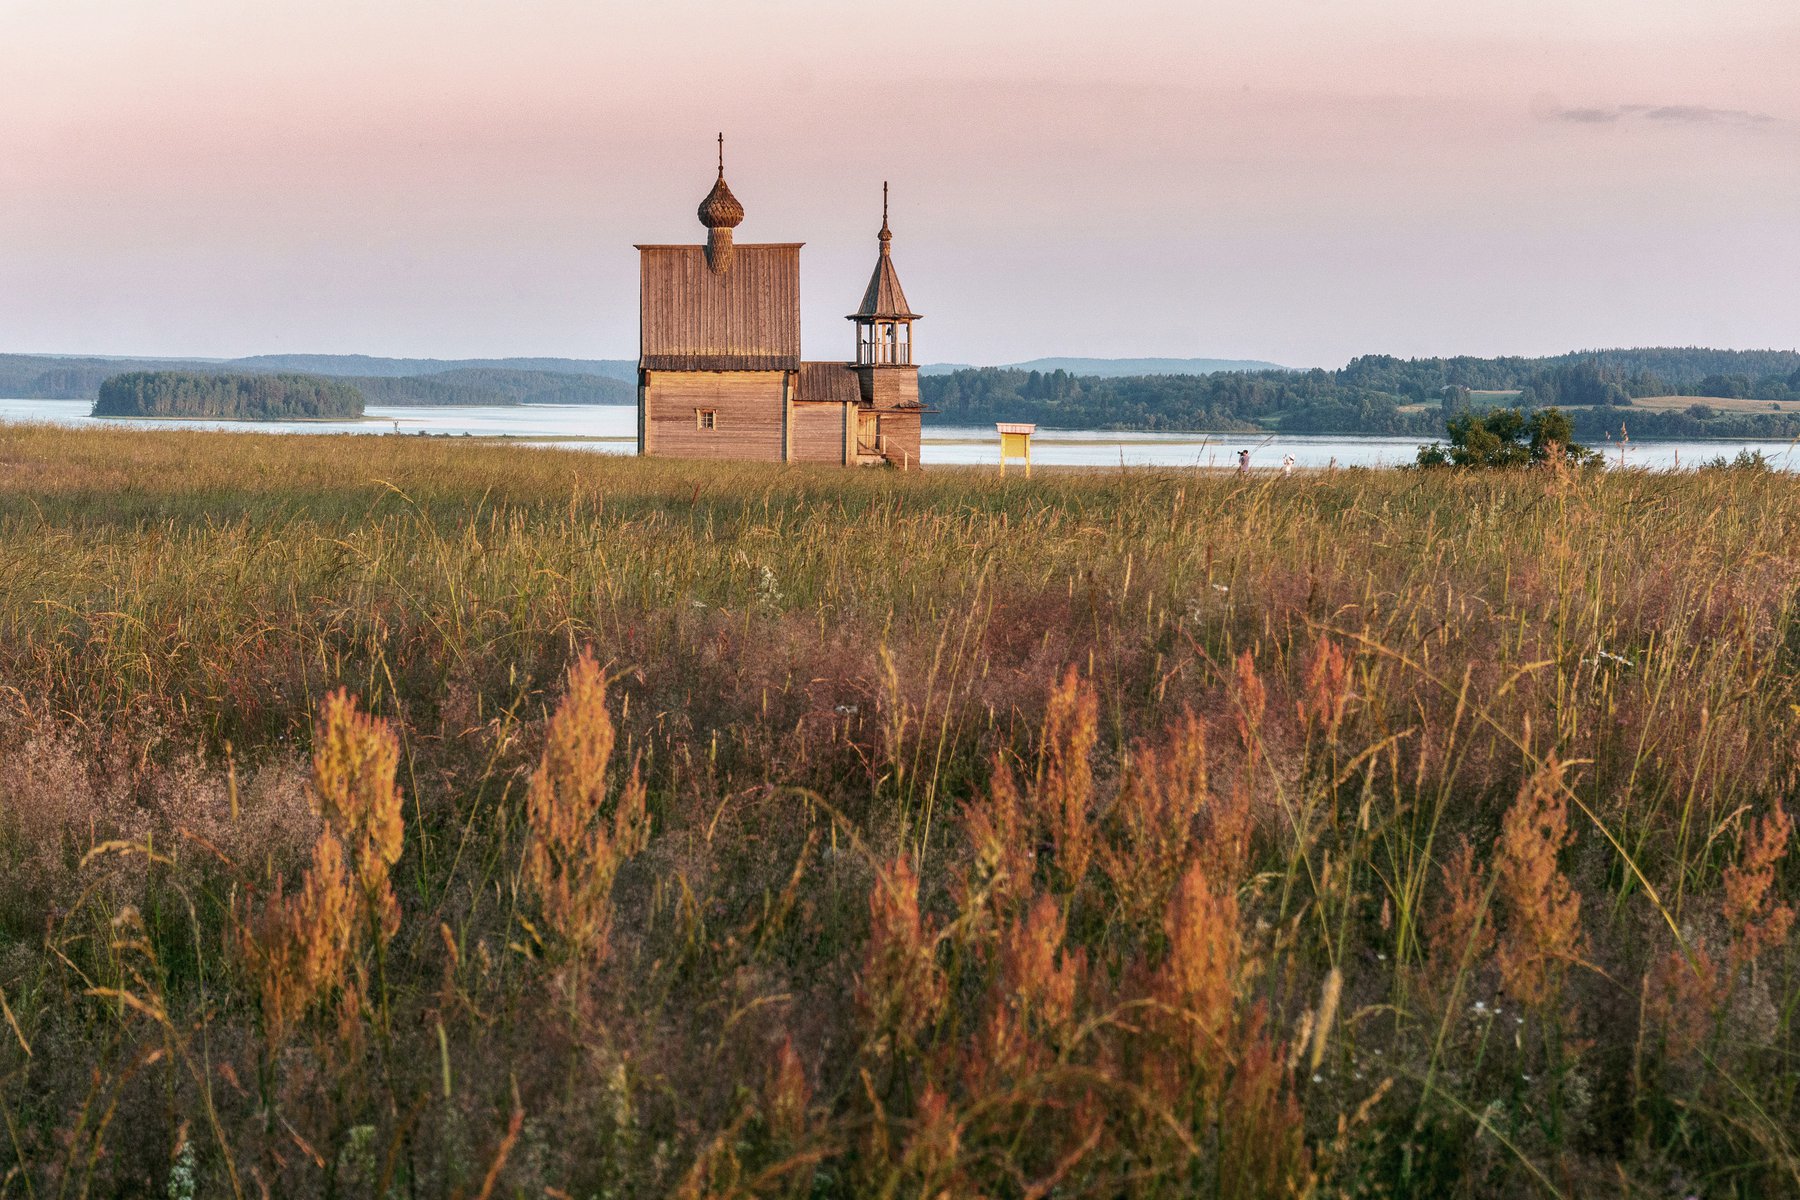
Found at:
[744, 318]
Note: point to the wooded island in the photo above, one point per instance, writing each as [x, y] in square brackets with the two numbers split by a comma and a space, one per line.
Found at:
[227, 397]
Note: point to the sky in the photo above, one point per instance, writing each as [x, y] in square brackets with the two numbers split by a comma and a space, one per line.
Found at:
[1299, 181]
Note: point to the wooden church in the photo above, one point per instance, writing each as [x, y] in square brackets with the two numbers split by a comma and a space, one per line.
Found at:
[719, 368]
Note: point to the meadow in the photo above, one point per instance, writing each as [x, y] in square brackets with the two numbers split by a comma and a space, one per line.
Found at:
[391, 817]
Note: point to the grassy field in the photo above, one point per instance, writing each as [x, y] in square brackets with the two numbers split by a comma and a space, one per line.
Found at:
[1716, 403]
[397, 817]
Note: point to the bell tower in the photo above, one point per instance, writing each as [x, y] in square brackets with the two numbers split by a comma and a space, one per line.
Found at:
[885, 367]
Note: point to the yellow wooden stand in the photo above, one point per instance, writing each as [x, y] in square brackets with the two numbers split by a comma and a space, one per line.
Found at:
[1015, 442]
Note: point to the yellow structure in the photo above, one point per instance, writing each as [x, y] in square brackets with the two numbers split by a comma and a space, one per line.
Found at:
[1015, 442]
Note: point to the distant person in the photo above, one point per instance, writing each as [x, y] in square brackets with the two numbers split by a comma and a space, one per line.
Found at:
[1243, 462]
[1287, 465]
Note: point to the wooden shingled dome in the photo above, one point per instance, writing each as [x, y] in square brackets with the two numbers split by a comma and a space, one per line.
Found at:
[720, 209]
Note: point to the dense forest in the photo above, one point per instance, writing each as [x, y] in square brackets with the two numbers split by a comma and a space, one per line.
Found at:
[480, 385]
[1381, 394]
[227, 397]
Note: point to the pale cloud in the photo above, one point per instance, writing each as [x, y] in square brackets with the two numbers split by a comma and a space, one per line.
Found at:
[1667, 114]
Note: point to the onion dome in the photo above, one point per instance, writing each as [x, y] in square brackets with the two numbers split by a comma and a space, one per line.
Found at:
[720, 209]
[720, 212]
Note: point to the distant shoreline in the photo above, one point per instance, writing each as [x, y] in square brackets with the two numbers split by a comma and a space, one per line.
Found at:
[1047, 434]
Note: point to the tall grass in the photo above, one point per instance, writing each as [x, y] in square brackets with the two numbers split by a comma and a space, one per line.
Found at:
[399, 817]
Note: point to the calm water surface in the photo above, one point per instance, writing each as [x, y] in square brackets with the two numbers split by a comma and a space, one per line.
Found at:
[612, 429]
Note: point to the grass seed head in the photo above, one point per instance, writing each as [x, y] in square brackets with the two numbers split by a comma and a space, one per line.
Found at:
[1065, 788]
[1757, 919]
[1199, 977]
[901, 989]
[1543, 932]
[573, 852]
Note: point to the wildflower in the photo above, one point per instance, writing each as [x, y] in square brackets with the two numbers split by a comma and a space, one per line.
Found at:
[1261, 1132]
[932, 1150]
[767, 589]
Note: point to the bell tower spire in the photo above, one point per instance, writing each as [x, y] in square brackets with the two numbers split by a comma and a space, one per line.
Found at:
[883, 319]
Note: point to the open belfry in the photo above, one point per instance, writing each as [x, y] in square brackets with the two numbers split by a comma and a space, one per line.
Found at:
[719, 368]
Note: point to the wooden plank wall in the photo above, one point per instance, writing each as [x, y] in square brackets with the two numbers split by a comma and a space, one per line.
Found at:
[819, 433]
[745, 317]
[751, 408]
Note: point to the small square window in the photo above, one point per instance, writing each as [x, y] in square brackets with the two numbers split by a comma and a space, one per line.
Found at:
[706, 418]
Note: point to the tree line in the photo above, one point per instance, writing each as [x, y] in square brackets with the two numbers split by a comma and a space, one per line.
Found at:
[1301, 401]
[1383, 394]
[226, 397]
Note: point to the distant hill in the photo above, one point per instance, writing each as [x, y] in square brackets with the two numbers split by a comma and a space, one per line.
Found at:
[244, 397]
[1105, 368]
[386, 381]
[624, 369]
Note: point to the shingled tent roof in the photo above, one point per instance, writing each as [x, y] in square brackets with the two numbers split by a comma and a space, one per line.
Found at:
[884, 300]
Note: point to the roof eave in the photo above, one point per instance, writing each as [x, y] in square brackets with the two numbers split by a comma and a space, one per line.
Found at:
[741, 246]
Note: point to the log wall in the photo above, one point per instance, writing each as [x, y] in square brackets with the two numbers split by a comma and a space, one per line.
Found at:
[887, 387]
[750, 410]
[818, 433]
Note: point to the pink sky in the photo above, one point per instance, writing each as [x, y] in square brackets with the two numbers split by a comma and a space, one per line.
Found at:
[1295, 180]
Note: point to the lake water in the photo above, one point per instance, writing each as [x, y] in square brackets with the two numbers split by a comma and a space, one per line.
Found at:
[612, 429]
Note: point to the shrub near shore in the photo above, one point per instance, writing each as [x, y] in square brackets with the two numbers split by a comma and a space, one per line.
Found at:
[386, 816]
